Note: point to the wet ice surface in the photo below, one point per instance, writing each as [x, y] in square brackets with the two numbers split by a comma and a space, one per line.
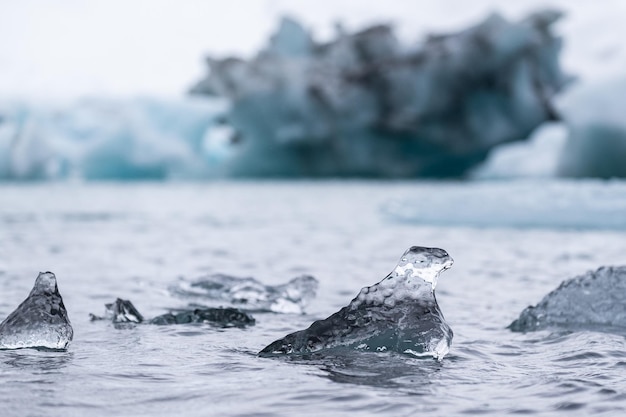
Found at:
[249, 293]
[40, 321]
[594, 300]
[132, 241]
[398, 314]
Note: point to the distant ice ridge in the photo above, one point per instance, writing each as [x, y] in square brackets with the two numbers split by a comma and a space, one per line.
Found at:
[594, 300]
[365, 105]
[112, 139]
[250, 294]
[589, 204]
[398, 314]
[40, 321]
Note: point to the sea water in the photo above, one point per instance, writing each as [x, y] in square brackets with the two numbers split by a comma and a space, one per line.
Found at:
[137, 240]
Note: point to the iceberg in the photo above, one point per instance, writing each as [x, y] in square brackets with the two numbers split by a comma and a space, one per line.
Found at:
[399, 314]
[592, 301]
[596, 145]
[250, 294]
[40, 321]
[123, 312]
[363, 104]
[106, 139]
[589, 142]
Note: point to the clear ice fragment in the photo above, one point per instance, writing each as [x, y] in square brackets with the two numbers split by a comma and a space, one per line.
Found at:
[250, 294]
[41, 321]
[398, 314]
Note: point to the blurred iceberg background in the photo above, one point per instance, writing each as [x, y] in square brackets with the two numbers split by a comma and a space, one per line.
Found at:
[112, 90]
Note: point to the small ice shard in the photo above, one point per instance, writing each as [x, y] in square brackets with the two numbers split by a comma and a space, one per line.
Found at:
[219, 317]
[250, 294]
[398, 314]
[122, 312]
[594, 300]
[41, 321]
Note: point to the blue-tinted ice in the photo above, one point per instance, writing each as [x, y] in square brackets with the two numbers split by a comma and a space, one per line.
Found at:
[399, 314]
[250, 294]
[123, 312]
[41, 321]
[596, 299]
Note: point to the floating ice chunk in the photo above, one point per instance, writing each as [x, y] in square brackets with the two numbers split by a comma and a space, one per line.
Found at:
[123, 312]
[593, 300]
[41, 321]
[250, 294]
[120, 311]
[398, 314]
[219, 317]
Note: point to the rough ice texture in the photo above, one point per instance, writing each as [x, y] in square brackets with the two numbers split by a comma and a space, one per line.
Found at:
[250, 294]
[593, 300]
[363, 104]
[123, 312]
[219, 317]
[41, 321]
[399, 314]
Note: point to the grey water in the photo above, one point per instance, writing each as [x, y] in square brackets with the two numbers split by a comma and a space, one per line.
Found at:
[136, 240]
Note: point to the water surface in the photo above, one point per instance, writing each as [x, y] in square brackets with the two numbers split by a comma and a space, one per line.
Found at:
[134, 240]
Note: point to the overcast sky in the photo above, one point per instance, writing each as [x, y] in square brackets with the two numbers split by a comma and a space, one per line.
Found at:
[70, 48]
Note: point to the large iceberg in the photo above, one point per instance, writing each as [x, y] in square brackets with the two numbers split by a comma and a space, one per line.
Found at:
[112, 139]
[590, 141]
[596, 146]
[364, 104]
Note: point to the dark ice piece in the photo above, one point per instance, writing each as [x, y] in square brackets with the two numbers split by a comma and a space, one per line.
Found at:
[594, 300]
[120, 311]
[219, 317]
[41, 321]
[123, 312]
[398, 314]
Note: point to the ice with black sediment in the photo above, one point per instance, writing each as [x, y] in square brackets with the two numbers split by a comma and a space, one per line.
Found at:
[594, 300]
[219, 317]
[250, 294]
[40, 321]
[120, 311]
[123, 312]
[398, 314]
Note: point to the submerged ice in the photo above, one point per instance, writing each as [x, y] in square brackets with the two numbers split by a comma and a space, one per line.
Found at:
[596, 299]
[398, 314]
[122, 312]
[40, 321]
[249, 293]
